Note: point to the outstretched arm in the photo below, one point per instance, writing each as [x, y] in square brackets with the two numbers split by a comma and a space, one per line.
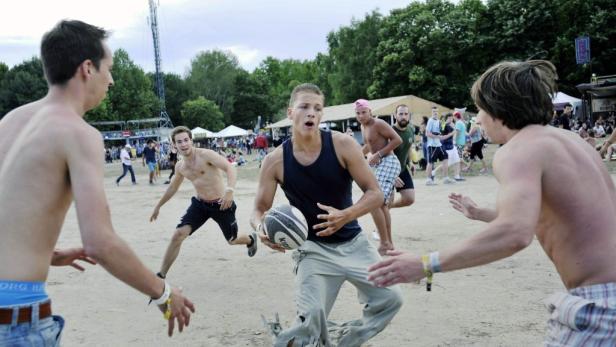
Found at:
[470, 209]
[266, 190]
[519, 195]
[84, 156]
[174, 185]
[69, 257]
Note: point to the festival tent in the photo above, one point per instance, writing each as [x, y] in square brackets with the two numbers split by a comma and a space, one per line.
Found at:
[231, 131]
[561, 99]
[380, 107]
[199, 132]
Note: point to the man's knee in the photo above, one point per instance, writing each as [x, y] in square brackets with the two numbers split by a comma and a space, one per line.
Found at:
[393, 299]
[181, 234]
[407, 197]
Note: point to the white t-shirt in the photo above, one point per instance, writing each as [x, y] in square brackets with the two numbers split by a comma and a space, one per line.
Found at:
[433, 126]
[125, 157]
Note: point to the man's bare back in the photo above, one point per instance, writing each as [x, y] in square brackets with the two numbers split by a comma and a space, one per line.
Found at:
[36, 141]
[567, 207]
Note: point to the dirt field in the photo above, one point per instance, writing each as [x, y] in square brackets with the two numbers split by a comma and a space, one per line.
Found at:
[494, 305]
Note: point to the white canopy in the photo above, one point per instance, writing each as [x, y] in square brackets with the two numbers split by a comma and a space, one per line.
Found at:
[562, 98]
[231, 131]
[199, 132]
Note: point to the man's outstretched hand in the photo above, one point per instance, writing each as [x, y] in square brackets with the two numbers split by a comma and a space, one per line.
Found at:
[69, 256]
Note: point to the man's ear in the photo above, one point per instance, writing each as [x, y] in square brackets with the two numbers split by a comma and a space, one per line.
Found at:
[289, 112]
[85, 68]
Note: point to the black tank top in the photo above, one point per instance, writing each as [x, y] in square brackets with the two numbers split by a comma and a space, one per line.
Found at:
[324, 181]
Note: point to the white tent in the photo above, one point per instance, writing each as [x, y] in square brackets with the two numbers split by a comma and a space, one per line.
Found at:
[231, 131]
[562, 98]
[199, 132]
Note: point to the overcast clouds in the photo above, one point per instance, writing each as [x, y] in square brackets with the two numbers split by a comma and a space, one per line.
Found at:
[252, 30]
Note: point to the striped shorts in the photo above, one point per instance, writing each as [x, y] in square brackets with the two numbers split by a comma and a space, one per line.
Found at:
[586, 316]
[386, 172]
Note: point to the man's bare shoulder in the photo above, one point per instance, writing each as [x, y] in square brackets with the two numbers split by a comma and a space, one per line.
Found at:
[273, 159]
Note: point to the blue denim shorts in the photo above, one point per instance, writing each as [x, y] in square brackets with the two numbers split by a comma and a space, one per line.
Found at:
[36, 333]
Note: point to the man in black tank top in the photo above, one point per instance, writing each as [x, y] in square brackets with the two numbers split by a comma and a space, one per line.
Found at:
[315, 169]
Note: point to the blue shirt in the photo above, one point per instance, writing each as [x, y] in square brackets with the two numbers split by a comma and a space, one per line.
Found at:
[434, 126]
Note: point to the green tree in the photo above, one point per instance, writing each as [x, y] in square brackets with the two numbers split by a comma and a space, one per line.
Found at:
[100, 113]
[212, 75]
[22, 84]
[432, 50]
[203, 113]
[176, 93]
[3, 70]
[353, 49]
[131, 96]
[250, 101]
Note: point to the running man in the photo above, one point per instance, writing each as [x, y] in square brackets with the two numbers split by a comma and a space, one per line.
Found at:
[514, 101]
[204, 168]
[380, 140]
[39, 183]
[315, 170]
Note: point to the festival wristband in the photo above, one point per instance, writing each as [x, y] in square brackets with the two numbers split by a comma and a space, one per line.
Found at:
[167, 314]
[379, 154]
[229, 190]
[163, 298]
[425, 259]
[435, 263]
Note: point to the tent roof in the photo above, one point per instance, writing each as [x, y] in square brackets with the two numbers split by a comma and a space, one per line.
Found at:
[231, 131]
[562, 98]
[200, 132]
[380, 107]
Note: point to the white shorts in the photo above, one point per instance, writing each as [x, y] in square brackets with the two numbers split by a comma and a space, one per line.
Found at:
[453, 156]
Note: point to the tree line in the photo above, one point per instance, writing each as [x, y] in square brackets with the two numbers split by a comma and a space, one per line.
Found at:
[433, 49]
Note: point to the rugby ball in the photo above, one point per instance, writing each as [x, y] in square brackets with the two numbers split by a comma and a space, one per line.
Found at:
[286, 226]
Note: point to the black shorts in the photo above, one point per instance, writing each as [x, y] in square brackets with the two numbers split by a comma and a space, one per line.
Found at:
[405, 176]
[436, 154]
[200, 211]
[477, 150]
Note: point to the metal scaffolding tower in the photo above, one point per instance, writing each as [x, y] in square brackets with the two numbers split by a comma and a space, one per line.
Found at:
[165, 121]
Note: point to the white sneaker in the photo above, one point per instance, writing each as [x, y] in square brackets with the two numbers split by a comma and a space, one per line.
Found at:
[448, 180]
[375, 235]
[430, 182]
[459, 178]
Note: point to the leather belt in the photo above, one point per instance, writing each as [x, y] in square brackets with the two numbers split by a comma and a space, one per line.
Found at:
[25, 313]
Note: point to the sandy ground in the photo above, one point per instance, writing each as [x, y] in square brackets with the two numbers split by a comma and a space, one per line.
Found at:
[494, 305]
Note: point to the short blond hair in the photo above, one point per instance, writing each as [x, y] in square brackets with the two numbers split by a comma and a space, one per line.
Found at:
[305, 88]
[178, 130]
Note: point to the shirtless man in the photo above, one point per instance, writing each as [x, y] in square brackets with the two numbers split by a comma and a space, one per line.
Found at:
[39, 183]
[540, 195]
[380, 140]
[203, 167]
[315, 169]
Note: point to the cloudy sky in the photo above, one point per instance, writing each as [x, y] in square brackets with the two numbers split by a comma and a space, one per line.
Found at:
[252, 30]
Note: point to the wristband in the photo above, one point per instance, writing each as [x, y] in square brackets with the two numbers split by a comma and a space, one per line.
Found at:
[229, 189]
[379, 154]
[163, 298]
[425, 259]
[435, 263]
[167, 314]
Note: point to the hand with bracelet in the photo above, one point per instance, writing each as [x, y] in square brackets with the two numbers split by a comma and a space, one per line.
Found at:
[375, 158]
[404, 267]
[174, 306]
[227, 200]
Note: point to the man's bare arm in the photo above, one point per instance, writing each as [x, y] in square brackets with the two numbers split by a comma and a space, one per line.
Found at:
[84, 155]
[519, 195]
[266, 190]
[394, 140]
[174, 185]
[221, 163]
